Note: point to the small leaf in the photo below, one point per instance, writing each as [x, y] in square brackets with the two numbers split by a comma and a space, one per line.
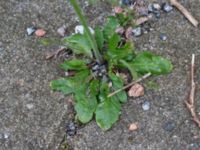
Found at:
[110, 27]
[94, 88]
[130, 68]
[48, 41]
[113, 42]
[86, 104]
[79, 44]
[63, 85]
[125, 52]
[126, 19]
[74, 64]
[117, 83]
[123, 19]
[147, 62]
[71, 84]
[104, 91]
[85, 109]
[129, 49]
[99, 37]
[107, 113]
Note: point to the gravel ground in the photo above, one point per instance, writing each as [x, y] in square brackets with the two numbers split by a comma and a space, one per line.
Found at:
[34, 118]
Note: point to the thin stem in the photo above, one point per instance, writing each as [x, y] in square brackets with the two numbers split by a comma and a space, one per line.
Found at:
[132, 83]
[90, 37]
[190, 102]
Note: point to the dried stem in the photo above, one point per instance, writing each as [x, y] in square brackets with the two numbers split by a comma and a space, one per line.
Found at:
[55, 53]
[129, 85]
[190, 103]
[185, 12]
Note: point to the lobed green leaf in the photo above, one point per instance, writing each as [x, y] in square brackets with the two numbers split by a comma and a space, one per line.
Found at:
[110, 27]
[117, 83]
[147, 62]
[71, 84]
[86, 104]
[107, 113]
[99, 38]
[74, 64]
[79, 44]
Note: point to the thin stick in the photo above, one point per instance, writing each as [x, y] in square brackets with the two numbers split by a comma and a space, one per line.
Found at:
[185, 12]
[190, 103]
[132, 83]
[55, 53]
[141, 20]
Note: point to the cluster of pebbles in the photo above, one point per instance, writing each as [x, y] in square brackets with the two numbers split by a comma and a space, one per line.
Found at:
[151, 11]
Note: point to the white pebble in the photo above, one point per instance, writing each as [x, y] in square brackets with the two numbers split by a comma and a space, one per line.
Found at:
[6, 135]
[29, 106]
[146, 105]
[80, 29]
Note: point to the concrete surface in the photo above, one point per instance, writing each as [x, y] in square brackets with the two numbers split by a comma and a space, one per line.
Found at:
[33, 118]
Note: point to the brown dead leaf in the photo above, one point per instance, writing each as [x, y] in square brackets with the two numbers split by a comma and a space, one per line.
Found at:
[133, 127]
[120, 30]
[141, 20]
[128, 33]
[136, 90]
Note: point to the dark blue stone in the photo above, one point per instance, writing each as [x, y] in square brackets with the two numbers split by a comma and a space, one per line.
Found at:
[169, 126]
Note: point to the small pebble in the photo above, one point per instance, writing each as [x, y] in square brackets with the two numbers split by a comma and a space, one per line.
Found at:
[128, 2]
[146, 105]
[193, 147]
[118, 10]
[66, 73]
[100, 74]
[71, 129]
[80, 29]
[110, 84]
[95, 67]
[30, 30]
[6, 135]
[62, 30]
[156, 6]
[1, 136]
[163, 37]
[142, 11]
[40, 32]
[157, 14]
[150, 8]
[133, 127]
[167, 7]
[29, 106]
[137, 31]
[169, 126]
[136, 90]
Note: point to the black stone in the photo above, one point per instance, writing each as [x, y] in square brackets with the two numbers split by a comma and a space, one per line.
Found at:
[128, 2]
[71, 129]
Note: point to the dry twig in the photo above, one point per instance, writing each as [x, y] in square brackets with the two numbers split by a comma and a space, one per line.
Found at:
[55, 53]
[190, 103]
[141, 20]
[185, 12]
[129, 85]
